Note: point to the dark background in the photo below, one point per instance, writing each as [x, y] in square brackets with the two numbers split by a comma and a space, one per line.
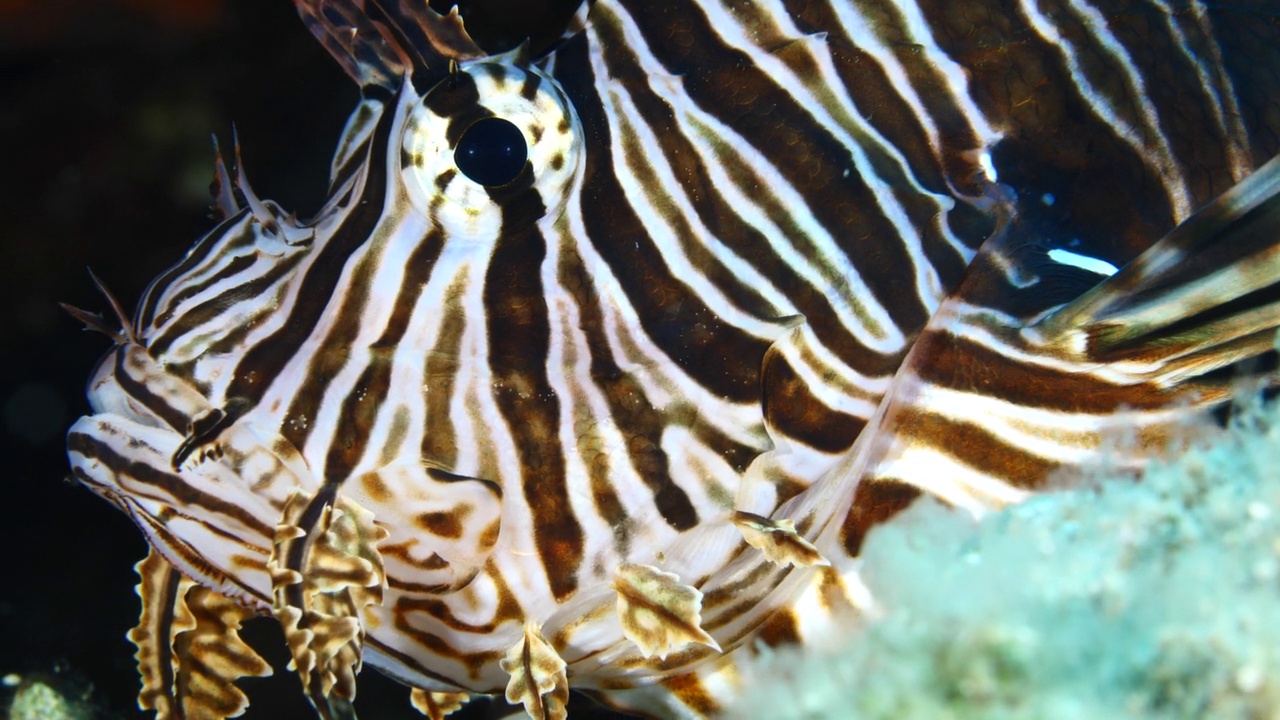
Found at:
[106, 108]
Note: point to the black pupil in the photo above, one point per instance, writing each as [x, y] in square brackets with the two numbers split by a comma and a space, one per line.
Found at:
[491, 152]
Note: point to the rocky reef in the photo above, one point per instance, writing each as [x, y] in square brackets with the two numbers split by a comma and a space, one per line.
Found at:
[1111, 598]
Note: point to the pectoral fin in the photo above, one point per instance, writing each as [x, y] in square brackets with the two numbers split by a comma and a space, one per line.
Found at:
[1202, 298]
[1013, 381]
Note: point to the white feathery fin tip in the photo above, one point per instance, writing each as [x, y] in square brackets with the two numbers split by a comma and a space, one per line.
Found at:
[658, 612]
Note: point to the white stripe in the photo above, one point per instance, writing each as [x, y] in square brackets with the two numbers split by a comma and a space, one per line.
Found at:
[843, 120]
[952, 481]
[921, 33]
[663, 381]
[1156, 142]
[1084, 262]
[638, 183]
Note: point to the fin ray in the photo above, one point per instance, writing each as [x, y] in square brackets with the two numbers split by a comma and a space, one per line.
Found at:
[1152, 308]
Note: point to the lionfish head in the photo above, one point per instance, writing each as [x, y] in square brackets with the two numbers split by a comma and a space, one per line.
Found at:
[358, 422]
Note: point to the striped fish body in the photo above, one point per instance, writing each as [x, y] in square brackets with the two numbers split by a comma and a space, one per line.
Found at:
[601, 358]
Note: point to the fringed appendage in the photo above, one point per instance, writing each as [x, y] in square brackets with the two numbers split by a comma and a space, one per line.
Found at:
[325, 570]
[437, 704]
[189, 647]
[538, 677]
[778, 540]
[659, 613]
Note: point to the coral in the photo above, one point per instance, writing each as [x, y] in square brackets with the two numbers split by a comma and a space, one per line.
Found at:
[1115, 599]
[57, 695]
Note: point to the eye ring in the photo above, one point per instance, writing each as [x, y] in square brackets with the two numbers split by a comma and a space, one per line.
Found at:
[491, 152]
[447, 128]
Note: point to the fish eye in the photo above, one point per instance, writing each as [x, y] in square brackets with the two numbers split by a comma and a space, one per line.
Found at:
[466, 140]
[491, 152]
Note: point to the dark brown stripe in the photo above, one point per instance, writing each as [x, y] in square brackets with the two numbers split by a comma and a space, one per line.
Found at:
[685, 163]
[882, 106]
[780, 629]
[723, 597]
[458, 99]
[252, 291]
[139, 392]
[590, 440]
[435, 612]
[354, 160]
[737, 455]
[954, 362]
[690, 691]
[232, 233]
[725, 83]
[408, 660]
[440, 371]
[1053, 141]
[230, 268]
[792, 409]
[1249, 34]
[519, 340]
[975, 446]
[171, 484]
[529, 88]
[957, 136]
[813, 303]
[162, 643]
[874, 502]
[873, 92]
[636, 418]
[1183, 105]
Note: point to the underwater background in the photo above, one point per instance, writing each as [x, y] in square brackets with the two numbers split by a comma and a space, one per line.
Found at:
[1157, 600]
[106, 114]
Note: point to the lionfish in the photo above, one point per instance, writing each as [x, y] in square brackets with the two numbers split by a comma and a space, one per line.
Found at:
[605, 352]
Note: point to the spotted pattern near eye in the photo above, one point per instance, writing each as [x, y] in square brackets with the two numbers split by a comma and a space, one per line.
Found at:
[463, 194]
